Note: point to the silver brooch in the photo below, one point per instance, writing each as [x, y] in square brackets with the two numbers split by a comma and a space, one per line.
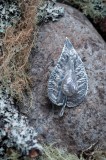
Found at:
[68, 82]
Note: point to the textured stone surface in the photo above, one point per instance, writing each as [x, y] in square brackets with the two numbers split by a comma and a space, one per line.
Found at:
[85, 124]
[15, 131]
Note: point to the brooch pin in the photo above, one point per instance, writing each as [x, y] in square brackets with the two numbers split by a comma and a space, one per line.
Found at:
[68, 81]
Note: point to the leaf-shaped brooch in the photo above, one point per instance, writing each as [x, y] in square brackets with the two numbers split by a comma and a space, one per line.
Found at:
[68, 82]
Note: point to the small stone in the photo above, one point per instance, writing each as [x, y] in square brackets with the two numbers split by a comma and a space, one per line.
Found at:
[33, 153]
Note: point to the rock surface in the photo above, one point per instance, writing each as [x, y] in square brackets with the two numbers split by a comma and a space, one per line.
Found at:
[15, 131]
[86, 124]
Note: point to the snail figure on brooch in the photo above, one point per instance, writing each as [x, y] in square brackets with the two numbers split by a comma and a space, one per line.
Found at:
[68, 82]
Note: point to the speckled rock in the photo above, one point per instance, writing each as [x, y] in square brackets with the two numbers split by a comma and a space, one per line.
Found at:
[15, 131]
[86, 124]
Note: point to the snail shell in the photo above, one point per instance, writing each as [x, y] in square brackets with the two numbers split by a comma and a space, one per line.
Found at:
[68, 82]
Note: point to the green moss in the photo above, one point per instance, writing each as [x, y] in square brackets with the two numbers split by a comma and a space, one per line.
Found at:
[51, 153]
[95, 9]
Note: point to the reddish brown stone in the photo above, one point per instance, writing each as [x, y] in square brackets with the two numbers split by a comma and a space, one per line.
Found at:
[33, 153]
[85, 124]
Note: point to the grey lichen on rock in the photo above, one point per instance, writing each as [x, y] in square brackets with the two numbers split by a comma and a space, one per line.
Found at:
[9, 14]
[49, 12]
[14, 129]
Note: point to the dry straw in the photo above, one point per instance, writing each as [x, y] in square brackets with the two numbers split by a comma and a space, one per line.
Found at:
[16, 46]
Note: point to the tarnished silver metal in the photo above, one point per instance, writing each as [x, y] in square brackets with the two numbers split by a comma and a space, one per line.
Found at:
[68, 82]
